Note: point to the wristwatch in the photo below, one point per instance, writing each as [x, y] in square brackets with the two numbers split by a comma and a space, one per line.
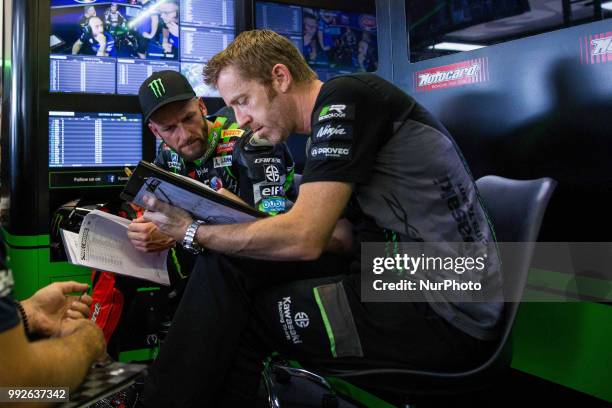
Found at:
[189, 242]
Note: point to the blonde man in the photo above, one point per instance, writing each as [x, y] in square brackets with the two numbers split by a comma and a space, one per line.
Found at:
[374, 155]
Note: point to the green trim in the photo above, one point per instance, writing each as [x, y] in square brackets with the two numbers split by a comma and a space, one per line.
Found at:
[137, 355]
[289, 180]
[150, 289]
[25, 240]
[176, 263]
[567, 343]
[328, 329]
[573, 285]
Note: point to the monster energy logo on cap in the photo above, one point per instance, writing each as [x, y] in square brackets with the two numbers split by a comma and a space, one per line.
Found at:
[157, 87]
[162, 88]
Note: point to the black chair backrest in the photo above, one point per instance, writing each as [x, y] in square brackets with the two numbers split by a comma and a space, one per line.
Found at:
[516, 209]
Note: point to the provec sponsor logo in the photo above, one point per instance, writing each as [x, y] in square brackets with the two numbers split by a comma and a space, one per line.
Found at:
[330, 151]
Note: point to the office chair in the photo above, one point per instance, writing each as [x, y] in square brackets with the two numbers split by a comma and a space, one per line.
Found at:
[516, 209]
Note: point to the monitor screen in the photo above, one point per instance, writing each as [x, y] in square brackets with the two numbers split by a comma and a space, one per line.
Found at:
[333, 42]
[82, 139]
[111, 47]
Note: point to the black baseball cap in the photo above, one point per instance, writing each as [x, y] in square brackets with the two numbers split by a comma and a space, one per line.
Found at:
[162, 88]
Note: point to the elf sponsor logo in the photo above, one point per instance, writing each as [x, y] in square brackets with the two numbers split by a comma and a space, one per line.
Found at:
[222, 161]
[596, 49]
[267, 160]
[6, 282]
[270, 191]
[286, 321]
[330, 152]
[226, 147]
[462, 73]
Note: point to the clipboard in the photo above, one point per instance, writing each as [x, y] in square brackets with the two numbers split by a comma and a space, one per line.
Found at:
[191, 195]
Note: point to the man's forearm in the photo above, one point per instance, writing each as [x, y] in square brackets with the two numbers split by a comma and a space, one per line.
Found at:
[274, 238]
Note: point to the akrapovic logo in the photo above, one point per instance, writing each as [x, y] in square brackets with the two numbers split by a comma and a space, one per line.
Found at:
[328, 131]
[445, 76]
[157, 87]
[461, 73]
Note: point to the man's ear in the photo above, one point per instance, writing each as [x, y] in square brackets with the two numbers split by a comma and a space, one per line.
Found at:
[202, 107]
[281, 78]
[154, 130]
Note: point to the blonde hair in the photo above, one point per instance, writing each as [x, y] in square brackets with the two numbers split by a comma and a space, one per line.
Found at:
[254, 53]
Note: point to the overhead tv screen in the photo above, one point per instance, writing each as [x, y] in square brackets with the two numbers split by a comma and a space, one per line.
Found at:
[111, 47]
[332, 41]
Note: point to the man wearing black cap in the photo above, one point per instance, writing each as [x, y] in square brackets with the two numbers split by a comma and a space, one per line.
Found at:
[210, 149]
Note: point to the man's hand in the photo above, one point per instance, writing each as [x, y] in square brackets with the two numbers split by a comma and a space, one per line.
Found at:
[146, 237]
[173, 28]
[170, 220]
[51, 307]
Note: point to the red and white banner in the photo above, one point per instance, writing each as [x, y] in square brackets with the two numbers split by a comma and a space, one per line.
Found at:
[453, 75]
[596, 48]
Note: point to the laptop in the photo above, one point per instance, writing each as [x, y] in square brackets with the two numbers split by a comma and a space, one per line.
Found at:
[103, 380]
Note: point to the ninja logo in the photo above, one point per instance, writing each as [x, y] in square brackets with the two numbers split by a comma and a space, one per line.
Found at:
[272, 173]
[328, 131]
[157, 87]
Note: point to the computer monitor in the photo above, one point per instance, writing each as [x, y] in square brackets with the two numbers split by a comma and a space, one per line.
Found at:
[99, 140]
[332, 41]
[111, 47]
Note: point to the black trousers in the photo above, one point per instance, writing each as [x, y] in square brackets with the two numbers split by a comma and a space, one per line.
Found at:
[237, 311]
